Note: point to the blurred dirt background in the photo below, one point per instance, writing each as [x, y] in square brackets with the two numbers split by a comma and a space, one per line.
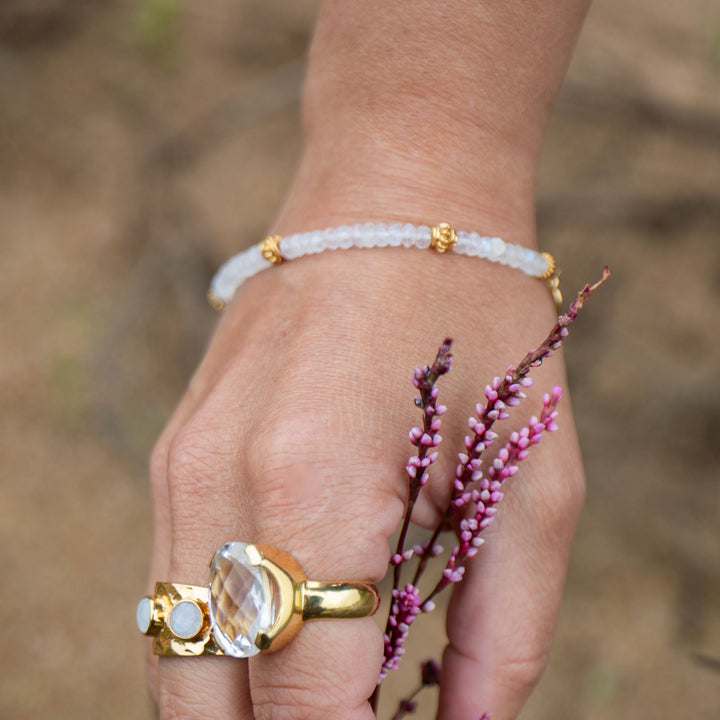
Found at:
[143, 142]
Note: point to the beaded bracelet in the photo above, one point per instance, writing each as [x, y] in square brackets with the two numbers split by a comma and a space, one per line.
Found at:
[440, 238]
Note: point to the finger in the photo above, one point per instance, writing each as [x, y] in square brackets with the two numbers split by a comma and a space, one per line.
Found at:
[502, 615]
[195, 688]
[332, 505]
[162, 519]
[331, 668]
[203, 687]
[228, 337]
[328, 672]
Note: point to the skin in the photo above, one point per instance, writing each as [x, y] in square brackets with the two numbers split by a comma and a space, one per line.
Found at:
[293, 431]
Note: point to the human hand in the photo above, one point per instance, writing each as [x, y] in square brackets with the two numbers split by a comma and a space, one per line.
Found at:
[294, 429]
[294, 433]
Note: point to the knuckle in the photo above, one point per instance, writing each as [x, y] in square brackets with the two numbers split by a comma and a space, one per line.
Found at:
[521, 673]
[296, 702]
[279, 442]
[320, 677]
[192, 463]
[290, 707]
[200, 474]
[515, 672]
[175, 703]
[296, 470]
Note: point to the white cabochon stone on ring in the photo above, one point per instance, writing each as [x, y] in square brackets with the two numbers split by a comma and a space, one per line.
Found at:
[143, 614]
[185, 620]
[242, 600]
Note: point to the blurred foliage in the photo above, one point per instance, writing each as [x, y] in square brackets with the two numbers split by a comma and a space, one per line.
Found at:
[156, 24]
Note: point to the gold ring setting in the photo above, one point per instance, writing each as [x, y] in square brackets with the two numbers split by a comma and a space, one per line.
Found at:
[257, 599]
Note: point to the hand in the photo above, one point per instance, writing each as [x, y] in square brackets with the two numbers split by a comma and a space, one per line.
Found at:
[294, 429]
[294, 433]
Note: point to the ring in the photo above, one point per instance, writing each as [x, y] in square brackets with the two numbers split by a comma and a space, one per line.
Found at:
[257, 599]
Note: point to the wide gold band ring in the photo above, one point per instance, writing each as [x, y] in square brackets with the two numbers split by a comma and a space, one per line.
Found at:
[256, 600]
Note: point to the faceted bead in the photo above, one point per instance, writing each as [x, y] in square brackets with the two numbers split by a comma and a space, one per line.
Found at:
[242, 600]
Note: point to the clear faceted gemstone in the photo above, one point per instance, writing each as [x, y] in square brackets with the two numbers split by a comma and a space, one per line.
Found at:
[143, 614]
[242, 601]
[185, 619]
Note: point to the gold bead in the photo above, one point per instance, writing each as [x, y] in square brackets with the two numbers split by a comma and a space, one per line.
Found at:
[270, 249]
[550, 266]
[214, 301]
[443, 237]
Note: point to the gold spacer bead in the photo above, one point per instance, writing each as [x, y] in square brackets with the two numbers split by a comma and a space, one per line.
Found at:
[550, 266]
[443, 237]
[270, 250]
[214, 301]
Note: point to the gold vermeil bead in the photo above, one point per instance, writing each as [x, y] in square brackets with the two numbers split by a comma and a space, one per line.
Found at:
[550, 266]
[270, 249]
[443, 237]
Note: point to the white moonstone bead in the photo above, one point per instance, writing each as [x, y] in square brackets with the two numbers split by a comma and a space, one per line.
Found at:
[407, 236]
[333, 239]
[513, 255]
[363, 239]
[394, 234]
[381, 238]
[316, 242]
[465, 246]
[347, 242]
[497, 248]
[422, 237]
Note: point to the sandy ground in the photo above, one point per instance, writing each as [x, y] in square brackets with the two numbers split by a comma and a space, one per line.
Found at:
[142, 143]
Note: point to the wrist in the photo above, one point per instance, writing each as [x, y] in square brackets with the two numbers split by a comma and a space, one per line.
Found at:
[433, 294]
[423, 110]
[387, 183]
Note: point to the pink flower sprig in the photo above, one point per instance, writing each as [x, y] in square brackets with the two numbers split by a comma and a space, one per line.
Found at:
[476, 490]
[425, 439]
[488, 494]
[507, 392]
[501, 394]
[406, 606]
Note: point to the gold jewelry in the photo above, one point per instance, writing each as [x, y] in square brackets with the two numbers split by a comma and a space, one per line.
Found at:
[257, 599]
[270, 250]
[443, 237]
[552, 278]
